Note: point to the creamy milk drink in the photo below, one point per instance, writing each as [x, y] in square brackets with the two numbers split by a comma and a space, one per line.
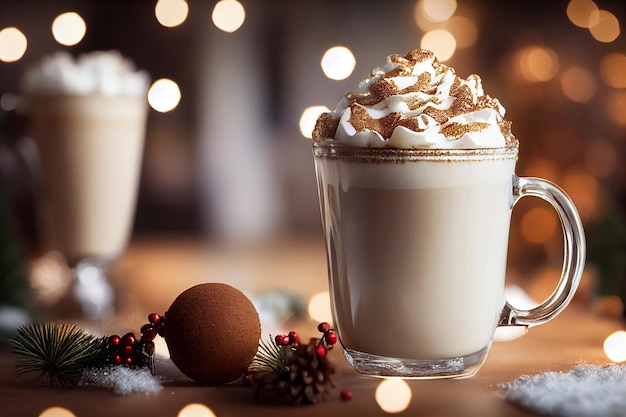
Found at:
[416, 178]
[88, 118]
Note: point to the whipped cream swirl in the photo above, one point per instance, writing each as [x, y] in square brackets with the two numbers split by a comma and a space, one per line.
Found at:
[415, 102]
[98, 72]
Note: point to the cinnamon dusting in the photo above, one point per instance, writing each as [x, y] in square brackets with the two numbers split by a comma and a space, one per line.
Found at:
[463, 95]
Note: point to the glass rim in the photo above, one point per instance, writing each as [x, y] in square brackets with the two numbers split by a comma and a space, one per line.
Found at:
[350, 153]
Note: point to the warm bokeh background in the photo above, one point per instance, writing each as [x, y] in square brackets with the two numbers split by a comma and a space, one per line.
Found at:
[229, 162]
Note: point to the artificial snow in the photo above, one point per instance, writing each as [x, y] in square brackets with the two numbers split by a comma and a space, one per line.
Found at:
[122, 380]
[585, 391]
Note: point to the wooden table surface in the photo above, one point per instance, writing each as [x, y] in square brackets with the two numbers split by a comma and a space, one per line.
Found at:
[154, 271]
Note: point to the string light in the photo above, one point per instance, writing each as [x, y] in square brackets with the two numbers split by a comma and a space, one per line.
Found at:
[69, 28]
[606, 29]
[581, 13]
[464, 30]
[615, 346]
[537, 64]
[56, 412]
[393, 395]
[196, 410]
[538, 225]
[584, 190]
[441, 42]
[13, 44]
[164, 95]
[613, 70]
[319, 307]
[171, 13]
[578, 84]
[616, 107]
[308, 118]
[438, 10]
[228, 15]
[338, 63]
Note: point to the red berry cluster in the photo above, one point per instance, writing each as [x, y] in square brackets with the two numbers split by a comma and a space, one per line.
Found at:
[327, 341]
[130, 351]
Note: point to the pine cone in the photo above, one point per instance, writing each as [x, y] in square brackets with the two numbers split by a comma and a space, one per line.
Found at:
[299, 372]
[307, 378]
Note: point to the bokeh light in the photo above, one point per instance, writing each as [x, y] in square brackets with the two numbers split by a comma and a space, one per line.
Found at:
[196, 410]
[228, 15]
[581, 13]
[584, 189]
[171, 13]
[8, 101]
[56, 412]
[578, 84]
[616, 107]
[50, 278]
[319, 307]
[393, 395]
[69, 28]
[13, 44]
[613, 70]
[607, 27]
[542, 168]
[437, 10]
[537, 64]
[538, 225]
[164, 95]
[615, 346]
[338, 63]
[601, 158]
[441, 42]
[464, 30]
[421, 21]
[308, 118]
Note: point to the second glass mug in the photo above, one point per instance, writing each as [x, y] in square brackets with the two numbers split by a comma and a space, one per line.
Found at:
[417, 245]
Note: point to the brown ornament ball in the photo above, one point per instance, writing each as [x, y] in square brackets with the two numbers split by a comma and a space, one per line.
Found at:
[212, 332]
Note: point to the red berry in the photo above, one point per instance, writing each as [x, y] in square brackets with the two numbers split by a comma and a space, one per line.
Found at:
[282, 340]
[293, 338]
[323, 327]
[128, 360]
[161, 328]
[148, 331]
[331, 337]
[154, 318]
[321, 351]
[114, 340]
[128, 339]
[346, 395]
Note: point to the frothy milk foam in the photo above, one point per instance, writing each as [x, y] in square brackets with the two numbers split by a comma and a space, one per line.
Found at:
[88, 118]
[439, 292]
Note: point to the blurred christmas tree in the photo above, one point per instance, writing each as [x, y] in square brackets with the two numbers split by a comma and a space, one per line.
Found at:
[606, 250]
[14, 284]
[13, 280]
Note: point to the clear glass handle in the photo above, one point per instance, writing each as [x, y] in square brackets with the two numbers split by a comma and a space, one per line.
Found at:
[574, 249]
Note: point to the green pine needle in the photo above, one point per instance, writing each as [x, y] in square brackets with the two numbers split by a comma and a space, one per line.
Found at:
[269, 358]
[60, 352]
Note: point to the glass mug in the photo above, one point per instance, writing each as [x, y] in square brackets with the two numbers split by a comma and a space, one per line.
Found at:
[417, 243]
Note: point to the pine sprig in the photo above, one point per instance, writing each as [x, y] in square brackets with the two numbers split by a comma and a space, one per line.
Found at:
[300, 372]
[60, 352]
[269, 358]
